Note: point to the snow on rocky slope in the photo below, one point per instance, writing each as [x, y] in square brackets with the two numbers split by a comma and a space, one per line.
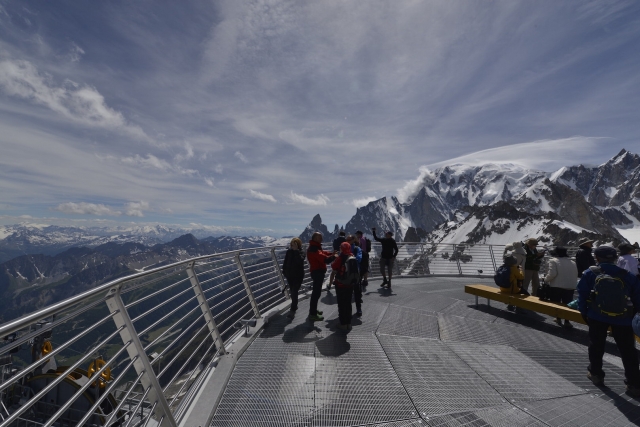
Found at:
[597, 201]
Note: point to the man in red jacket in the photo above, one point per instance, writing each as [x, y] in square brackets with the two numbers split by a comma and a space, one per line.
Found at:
[318, 260]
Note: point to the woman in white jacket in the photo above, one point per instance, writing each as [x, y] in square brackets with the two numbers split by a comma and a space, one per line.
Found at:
[561, 278]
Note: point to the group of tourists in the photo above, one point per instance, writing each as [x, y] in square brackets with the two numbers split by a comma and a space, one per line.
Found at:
[608, 287]
[349, 263]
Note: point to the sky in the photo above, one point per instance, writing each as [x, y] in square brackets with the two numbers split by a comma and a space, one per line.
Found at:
[256, 115]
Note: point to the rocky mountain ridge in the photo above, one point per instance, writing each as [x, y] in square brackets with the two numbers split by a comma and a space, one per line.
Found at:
[599, 200]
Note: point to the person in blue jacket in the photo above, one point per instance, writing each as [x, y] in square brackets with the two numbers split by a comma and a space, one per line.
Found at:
[599, 321]
[357, 253]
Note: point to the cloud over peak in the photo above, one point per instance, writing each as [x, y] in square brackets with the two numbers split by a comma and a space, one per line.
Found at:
[321, 200]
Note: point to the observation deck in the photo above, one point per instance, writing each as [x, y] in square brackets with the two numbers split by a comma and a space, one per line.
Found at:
[171, 347]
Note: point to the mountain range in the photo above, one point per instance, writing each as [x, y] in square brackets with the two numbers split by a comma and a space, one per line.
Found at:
[28, 282]
[500, 203]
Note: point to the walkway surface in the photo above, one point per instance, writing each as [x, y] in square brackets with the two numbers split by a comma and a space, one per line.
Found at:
[422, 355]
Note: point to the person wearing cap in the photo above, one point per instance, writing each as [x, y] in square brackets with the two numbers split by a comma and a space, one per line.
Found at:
[364, 265]
[318, 260]
[584, 259]
[599, 322]
[561, 278]
[388, 255]
[532, 264]
[343, 290]
[626, 259]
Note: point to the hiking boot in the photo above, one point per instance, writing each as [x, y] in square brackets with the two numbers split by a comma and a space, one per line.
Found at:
[633, 391]
[365, 283]
[567, 324]
[511, 308]
[316, 318]
[291, 314]
[384, 282]
[358, 313]
[319, 312]
[597, 380]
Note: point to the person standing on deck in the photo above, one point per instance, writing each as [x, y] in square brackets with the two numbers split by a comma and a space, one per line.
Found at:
[532, 266]
[364, 265]
[604, 304]
[626, 259]
[346, 278]
[357, 290]
[336, 248]
[318, 260]
[293, 271]
[388, 255]
[584, 259]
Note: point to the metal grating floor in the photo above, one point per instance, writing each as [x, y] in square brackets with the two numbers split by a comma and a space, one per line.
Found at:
[422, 355]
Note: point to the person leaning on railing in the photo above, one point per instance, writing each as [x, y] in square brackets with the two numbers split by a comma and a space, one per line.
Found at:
[293, 271]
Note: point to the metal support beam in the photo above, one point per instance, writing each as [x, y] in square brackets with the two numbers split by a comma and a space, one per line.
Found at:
[142, 363]
[247, 288]
[204, 306]
[455, 248]
[279, 270]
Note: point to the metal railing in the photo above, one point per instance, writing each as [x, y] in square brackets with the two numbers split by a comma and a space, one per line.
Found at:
[131, 352]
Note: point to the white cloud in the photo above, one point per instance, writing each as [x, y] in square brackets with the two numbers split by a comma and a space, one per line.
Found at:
[321, 200]
[363, 201]
[80, 103]
[241, 157]
[218, 168]
[209, 181]
[151, 161]
[187, 155]
[547, 155]
[136, 208]
[412, 187]
[262, 196]
[83, 208]
[75, 53]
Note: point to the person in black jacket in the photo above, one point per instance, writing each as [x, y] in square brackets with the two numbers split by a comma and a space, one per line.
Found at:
[584, 258]
[293, 271]
[388, 255]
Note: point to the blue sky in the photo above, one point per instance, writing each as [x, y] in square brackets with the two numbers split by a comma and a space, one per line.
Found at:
[259, 114]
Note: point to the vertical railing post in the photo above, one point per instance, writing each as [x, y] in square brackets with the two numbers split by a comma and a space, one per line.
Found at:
[280, 275]
[455, 252]
[141, 363]
[425, 260]
[204, 306]
[247, 288]
[493, 258]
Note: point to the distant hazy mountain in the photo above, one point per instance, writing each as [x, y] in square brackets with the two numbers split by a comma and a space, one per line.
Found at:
[585, 201]
[23, 239]
[29, 282]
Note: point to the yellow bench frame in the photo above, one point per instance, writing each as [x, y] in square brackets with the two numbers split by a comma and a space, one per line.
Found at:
[524, 301]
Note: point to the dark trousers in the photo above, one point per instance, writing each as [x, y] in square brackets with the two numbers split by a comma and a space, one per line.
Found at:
[343, 295]
[318, 277]
[563, 296]
[357, 293]
[624, 337]
[294, 289]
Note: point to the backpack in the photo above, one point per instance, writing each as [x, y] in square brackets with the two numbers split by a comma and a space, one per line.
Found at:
[348, 274]
[503, 276]
[368, 242]
[610, 294]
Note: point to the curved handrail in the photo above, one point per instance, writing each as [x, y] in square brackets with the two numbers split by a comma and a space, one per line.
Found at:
[170, 321]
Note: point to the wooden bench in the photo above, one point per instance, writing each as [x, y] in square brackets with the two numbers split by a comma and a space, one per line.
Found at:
[524, 301]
